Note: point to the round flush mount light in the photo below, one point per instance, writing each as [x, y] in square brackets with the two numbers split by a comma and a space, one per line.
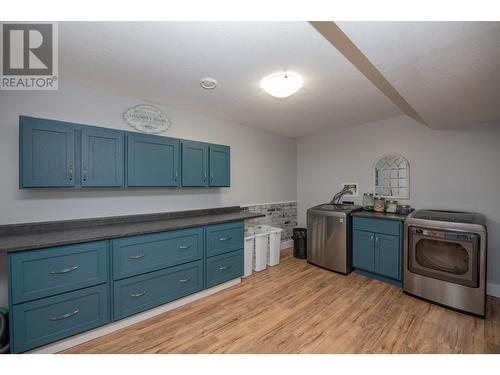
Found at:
[208, 83]
[282, 85]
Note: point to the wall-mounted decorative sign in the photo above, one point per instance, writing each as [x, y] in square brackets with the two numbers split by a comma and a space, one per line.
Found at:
[146, 118]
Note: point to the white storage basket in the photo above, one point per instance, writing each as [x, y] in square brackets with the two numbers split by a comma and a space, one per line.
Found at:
[260, 248]
[248, 251]
[274, 248]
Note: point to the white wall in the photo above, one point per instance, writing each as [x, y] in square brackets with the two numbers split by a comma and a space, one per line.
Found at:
[263, 165]
[457, 169]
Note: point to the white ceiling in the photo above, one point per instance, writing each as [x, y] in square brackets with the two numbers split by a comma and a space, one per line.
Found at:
[163, 62]
[449, 72]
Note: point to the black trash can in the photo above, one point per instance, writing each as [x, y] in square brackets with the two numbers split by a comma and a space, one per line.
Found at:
[300, 243]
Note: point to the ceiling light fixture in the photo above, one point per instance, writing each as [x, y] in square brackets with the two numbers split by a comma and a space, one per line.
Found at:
[282, 85]
[208, 83]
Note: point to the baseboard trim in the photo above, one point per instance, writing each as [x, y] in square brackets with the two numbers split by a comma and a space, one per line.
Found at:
[115, 326]
[493, 289]
[286, 244]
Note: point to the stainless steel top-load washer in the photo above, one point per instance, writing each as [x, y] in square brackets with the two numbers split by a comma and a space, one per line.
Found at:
[445, 258]
[329, 236]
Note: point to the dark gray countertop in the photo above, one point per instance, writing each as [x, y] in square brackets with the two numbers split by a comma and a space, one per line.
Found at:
[18, 237]
[379, 215]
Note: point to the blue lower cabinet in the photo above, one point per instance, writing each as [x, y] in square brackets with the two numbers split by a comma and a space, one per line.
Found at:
[377, 248]
[224, 267]
[46, 272]
[46, 320]
[388, 260]
[223, 238]
[140, 254]
[143, 292]
[377, 225]
[363, 250]
[62, 291]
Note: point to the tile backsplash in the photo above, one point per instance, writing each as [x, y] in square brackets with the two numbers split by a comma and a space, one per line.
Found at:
[282, 215]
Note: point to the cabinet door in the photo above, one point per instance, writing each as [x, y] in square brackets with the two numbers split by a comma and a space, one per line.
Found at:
[219, 165]
[47, 150]
[194, 164]
[388, 260]
[102, 158]
[363, 250]
[152, 160]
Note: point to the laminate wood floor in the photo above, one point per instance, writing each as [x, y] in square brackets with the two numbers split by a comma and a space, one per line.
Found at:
[299, 308]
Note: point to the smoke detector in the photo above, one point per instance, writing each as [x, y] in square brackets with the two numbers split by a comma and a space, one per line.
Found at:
[208, 83]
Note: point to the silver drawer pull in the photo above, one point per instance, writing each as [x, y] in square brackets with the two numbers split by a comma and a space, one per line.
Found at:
[222, 268]
[185, 280]
[65, 316]
[137, 256]
[225, 238]
[138, 294]
[185, 247]
[66, 270]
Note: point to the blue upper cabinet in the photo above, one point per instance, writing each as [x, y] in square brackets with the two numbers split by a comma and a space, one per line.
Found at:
[152, 160]
[205, 164]
[220, 165]
[102, 162]
[47, 153]
[194, 164]
[59, 154]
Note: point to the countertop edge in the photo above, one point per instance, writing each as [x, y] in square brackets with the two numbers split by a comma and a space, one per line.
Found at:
[209, 220]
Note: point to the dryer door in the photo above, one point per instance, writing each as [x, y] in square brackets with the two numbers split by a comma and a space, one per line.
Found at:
[447, 256]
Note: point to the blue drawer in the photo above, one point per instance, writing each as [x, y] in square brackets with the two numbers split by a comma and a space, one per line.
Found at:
[136, 255]
[49, 319]
[224, 267]
[143, 292]
[46, 272]
[223, 238]
[377, 225]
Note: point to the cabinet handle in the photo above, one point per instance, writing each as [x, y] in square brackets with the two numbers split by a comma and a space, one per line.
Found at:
[212, 176]
[70, 172]
[185, 247]
[372, 238]
[65, 316]
[84, 174]
[176, 176]
[137, 256]
[66, 270]
[138, 294]
[185, 280]
[376, 240]
[225, 238]
[205, 176]
[222, 268]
